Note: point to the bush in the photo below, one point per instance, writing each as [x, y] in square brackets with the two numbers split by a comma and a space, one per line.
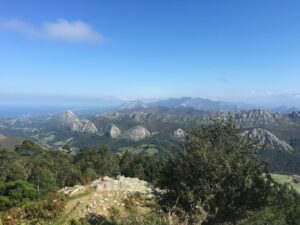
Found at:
[264, 216]
[46, 209]
[151, 218]
[16, 193]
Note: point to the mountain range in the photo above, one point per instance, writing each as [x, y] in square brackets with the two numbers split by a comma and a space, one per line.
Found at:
[202, 104]
[146, 123]
[99, 105]
[161, 124]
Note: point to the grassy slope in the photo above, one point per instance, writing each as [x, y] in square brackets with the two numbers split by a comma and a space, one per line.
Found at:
[144, 150]
[286, 179]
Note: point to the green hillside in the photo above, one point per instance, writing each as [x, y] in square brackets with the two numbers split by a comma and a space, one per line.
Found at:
[283, 179]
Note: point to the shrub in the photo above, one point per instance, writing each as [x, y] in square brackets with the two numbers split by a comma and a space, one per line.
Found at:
[16, 193]
[46, 209]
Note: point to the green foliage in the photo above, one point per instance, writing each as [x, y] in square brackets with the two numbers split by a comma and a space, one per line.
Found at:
[283, 208]
[108, 165]
[286, 201]
[90, 174]
[264, 217]
[287, 179]
[151, 218]
[147, 168]
[8, 164]
[16, 172]
[76, 221]
[45, 209]
[51, 170]
[216, 177]
[16, 193]
[66, 172]
[43, 179]
[97, 163]
[28, 147]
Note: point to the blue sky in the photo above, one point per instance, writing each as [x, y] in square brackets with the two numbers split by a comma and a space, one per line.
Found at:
[227, 50]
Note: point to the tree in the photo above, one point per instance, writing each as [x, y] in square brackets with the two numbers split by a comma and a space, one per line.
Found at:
[86, 158]
[66, 173]
[108, 163]
[216, 177]
[143, 167]
[7, 160]
[28, 147]
[16, 172]
[43, 179]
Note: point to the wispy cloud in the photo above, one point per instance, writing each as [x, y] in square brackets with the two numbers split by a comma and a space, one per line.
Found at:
[63, 30]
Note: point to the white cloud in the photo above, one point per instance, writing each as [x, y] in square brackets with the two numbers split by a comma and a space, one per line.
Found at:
[71, 31]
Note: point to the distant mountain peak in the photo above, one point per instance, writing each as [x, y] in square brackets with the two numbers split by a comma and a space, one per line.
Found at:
[295, 115]
[136, 133]
[284, 109]
[73, 123]
[113, 131]
[201, 104]
[133, 104]
[265, 137]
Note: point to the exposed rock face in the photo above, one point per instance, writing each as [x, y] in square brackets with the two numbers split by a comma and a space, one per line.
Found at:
[70, 121]
[140, 117]
[113, 131]
[107, 184]
[179, 135]
[136, 133]
[264, 137]
[113, 115]
[88, 127]
[295, 115]
[123, 184]
[256, 116]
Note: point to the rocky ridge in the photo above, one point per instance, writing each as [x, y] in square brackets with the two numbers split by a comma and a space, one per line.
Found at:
[295, 115]
[71, 122]
[104, 194]
[266, 138]
[113, 131]
[136, 133]
[256, 116]
[179, 135]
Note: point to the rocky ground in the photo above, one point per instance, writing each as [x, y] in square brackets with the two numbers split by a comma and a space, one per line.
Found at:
[105, 196]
